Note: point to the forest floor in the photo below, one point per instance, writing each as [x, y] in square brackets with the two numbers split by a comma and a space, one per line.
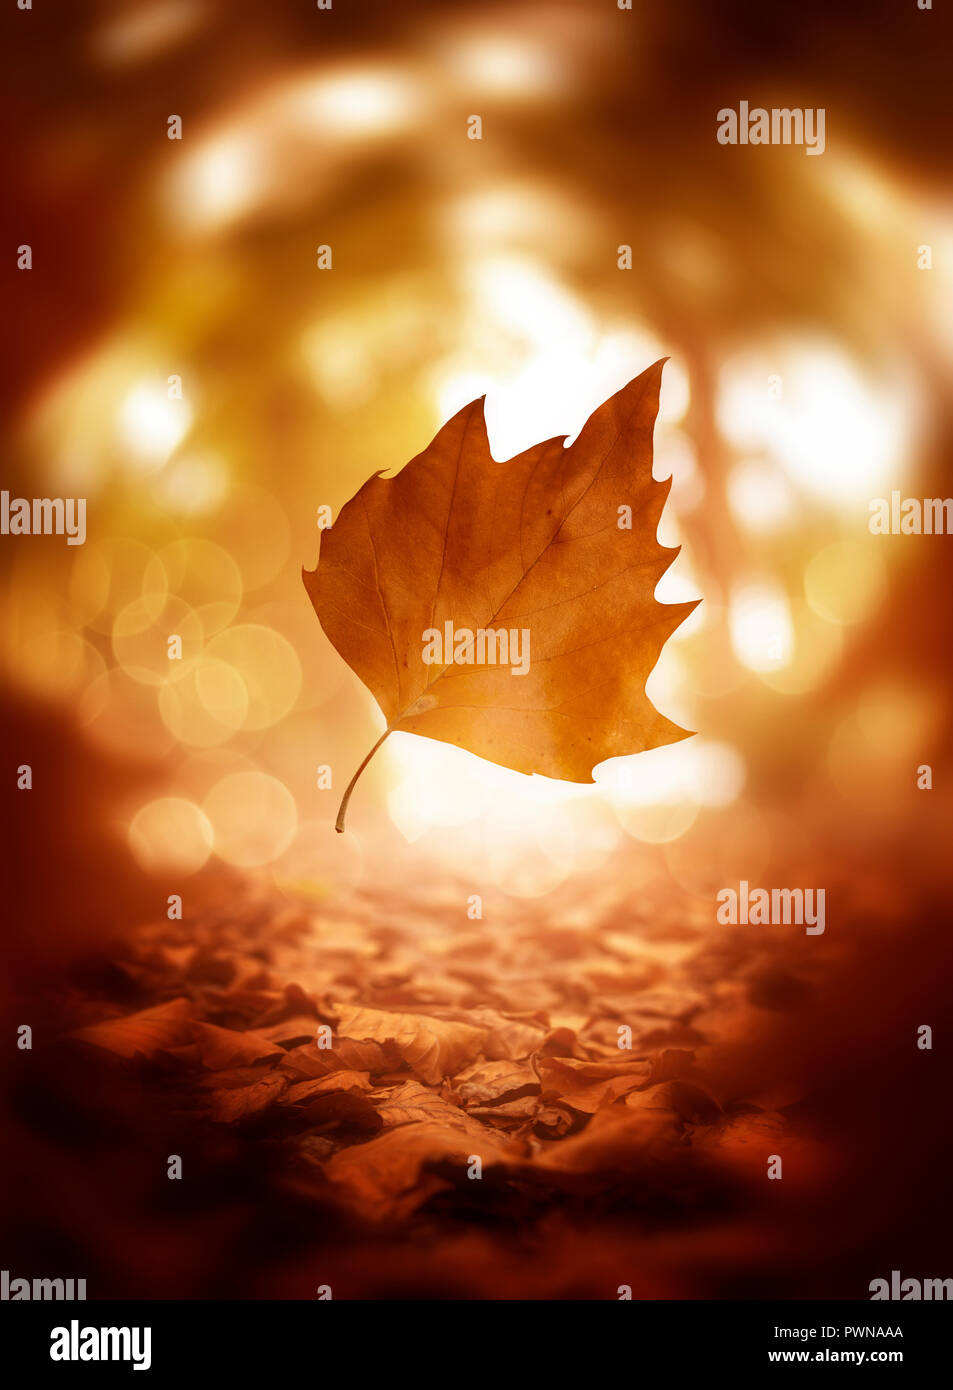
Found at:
[377, 1095]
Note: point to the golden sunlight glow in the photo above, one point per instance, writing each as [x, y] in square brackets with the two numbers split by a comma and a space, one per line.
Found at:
[493, 65]
[816, 650]
[136, 34]
[357, 102]
[760, 496]
[207, 706]
[556, 364]
[517, 861]
[509, 216]
[713, 669]
[170, 834]
[939, 234]
[141, 640]
[846, 582]
[192, 484]
[657, 795]
[658, 824]
[253, 528]
[578, 835]
[150, 425]
[696, 772]
[110, 574]
[439, 785]
[674, 457]
[318, 862]
[217, 182]
[839, 435]
[677, 586]
[284, 137]
[201, 574]
[668, 688]
[268, 666]
[253, 817]
[761, 632]
[341, 364]
[85, 435]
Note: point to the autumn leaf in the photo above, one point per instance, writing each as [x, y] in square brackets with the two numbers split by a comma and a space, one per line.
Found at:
[507, 1038]
[353, 1082]
[412, 1103]
[690, 1103]
[615, 1139]
[289, 1031]
[552, 554]
[586, 1086]
[487, 1083]
[386, 1178]
[142, 1034]
[242, 1102]
[220, 1048]
[431, 1047]
[372, 1057]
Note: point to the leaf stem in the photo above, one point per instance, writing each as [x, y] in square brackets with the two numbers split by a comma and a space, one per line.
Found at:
[342, 810]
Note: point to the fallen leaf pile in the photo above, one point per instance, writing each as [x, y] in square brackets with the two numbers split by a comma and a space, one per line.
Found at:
[375, 1048]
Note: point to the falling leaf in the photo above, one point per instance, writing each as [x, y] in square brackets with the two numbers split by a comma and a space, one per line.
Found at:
[459, 543]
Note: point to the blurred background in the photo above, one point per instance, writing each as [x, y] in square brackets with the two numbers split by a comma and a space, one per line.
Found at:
[177, 357]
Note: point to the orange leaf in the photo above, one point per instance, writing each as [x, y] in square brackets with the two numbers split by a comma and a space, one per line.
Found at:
[432, 1047]
[533, 554]
[221, 1048]
[145, 1033]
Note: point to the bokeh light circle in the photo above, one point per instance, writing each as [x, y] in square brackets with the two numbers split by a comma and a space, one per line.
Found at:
[207, 706]
[141, 640]
[254, 818]
[201, 574]
[170, 833]
[269, 666]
